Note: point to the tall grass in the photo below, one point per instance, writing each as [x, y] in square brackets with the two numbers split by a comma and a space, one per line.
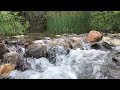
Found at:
[68, 22]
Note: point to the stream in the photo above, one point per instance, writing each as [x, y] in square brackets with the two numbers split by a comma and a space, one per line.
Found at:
[80, 63]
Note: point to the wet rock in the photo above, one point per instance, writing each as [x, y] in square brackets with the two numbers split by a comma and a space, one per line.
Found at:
[11, 57]
[14, 55]
[49, 42]
[94, 36]
[112, 72]
[36, 50]
[39, 41]
[15, 43]
[76, 39]
[47, 38]
[64, 43]
[107, 46]
[19, 36]
[58, 35]
[60, 42]
[115, 42]
[5, 69]
[106, 39]
[23, 65]
[116, 58]
[3, 50]
[101, 46]
[54, 51]
[96, 46]
[40, 65]
[75, 42]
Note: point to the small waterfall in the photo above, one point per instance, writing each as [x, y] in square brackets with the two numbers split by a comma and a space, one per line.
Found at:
[77, 64]
[85, 45]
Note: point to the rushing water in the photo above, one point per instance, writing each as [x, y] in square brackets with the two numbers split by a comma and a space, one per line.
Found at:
[78, 64]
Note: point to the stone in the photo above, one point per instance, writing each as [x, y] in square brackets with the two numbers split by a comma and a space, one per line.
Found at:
[11, 57]
[75, 42]
[59, 42]
[54, 51]
[19, 36]
[116, 58]
[94, 36]
[115, 42]
[96, 46]
[3, 50]
[36, 50]
[39, 41]
[107, 45]
[23, 65]
[106, 39]
[5, 69]
[64, 43]
[101, 46]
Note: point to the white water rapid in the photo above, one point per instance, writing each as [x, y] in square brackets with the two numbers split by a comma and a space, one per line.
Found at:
[78, 64]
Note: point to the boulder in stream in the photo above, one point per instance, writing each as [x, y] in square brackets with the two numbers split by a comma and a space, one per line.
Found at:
[115, 42]
[3, 50]
[94, 36]
[36, 50]
[54, 51]
[101, 46]
[5, 69]
[116, 58]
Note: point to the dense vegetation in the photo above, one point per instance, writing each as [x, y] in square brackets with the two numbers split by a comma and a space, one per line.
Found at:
[11, 23]
[109, 20]
[68, 22]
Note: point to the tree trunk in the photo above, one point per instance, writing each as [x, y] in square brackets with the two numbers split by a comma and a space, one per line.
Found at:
[37, 20]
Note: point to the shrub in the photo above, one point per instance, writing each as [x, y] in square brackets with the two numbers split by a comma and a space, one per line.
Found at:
[10, 23]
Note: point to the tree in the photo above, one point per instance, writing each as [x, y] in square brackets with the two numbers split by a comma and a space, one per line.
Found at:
[37, 20]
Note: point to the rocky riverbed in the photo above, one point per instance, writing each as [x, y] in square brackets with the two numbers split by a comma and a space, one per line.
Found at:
[93, 55]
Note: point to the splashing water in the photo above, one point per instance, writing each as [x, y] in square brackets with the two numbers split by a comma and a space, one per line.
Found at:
[85, 45]
[78, 64]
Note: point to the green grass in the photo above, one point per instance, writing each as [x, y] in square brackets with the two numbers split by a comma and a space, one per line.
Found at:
[68, 22]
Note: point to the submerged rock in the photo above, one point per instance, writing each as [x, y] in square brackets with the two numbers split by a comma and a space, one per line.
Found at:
[23, 65]
[116, 58]
[54, 51]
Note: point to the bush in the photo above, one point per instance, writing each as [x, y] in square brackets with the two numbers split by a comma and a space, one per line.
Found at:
[109, 20]
[10, 23]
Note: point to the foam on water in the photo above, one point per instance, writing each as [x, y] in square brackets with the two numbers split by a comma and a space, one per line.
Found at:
[79, 64]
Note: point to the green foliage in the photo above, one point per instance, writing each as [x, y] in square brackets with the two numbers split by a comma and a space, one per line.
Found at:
[109, 20]
[83, 21]
[10, 23]
[68, 21]
[59, 22]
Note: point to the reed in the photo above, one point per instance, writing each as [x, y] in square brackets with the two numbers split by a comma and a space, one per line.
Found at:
[68, 22]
